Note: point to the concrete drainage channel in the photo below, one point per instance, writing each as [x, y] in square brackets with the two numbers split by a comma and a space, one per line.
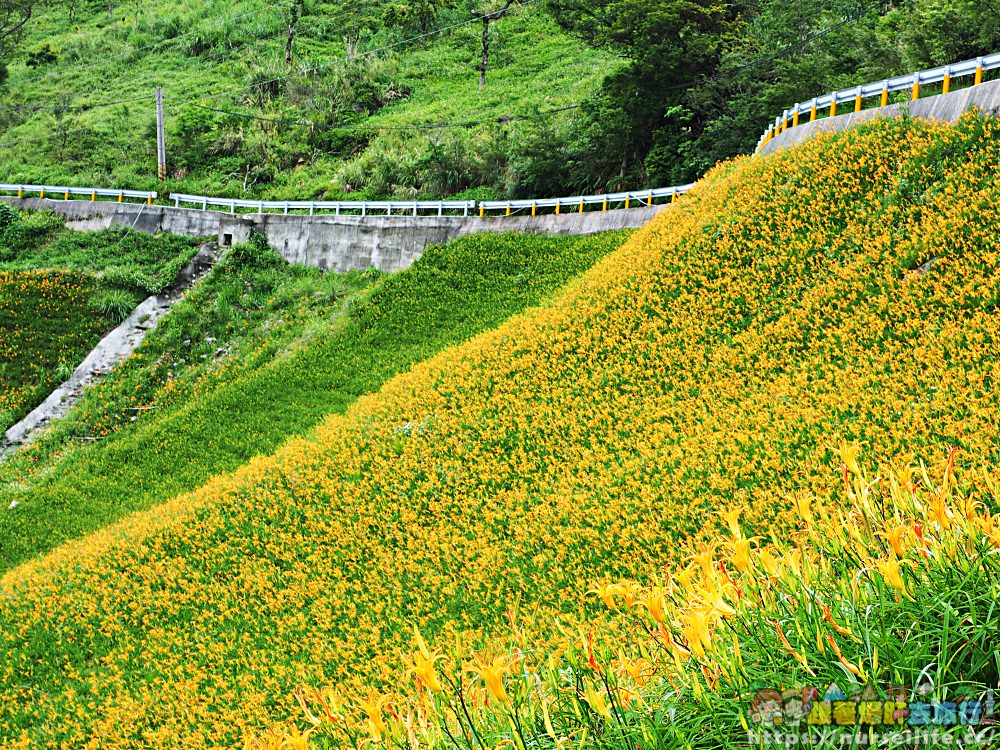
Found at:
[113, 348]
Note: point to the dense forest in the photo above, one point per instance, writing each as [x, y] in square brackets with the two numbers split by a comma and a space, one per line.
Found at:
[429, 98]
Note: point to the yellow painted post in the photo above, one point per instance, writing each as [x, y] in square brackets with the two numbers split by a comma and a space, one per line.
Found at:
[979, 71]
[20, 193]
[649, 200]
[66, 196]
[833, 107]
[673, 197]
[508, 209]
[93, 196]
[604, 205]
[885, 94]
[41, 194]
[626, 201]
[784, 122]
[857, 101]
[121, 196]
[581, 207]
[149, 200]
[812, 111]
[946, 83]
[482, 211]
[795, 117]
[557, 207]
[916, 87]
[534, 210]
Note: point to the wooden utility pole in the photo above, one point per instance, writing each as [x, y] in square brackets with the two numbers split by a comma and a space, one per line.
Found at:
[161, 140]
[487, 18]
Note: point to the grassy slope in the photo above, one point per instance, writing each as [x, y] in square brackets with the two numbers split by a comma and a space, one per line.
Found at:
[280, 379]
[703, 366]
[534, 64]
[60, 291]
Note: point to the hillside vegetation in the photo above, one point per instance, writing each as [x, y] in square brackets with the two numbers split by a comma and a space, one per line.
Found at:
[837, 294]
[257, 352]
[368, 78]
[61, 291]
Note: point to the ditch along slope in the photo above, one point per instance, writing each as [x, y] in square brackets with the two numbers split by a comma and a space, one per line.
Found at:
[841, 291]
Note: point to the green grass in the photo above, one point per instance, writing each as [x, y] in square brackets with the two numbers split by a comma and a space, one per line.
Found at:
[121, 258]
[61, 291]
[300, 345]
[198, 58]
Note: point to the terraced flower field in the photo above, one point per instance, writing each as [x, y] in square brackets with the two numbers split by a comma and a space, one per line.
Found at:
[838, 294]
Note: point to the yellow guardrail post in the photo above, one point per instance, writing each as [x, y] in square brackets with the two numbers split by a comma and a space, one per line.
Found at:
[581, 207]
[627, 200]
[508, 209]
[916, 87]
[41, 193]
[149, 200]
[604, 204]
[885, 94]
[20, 193]
[93, 196]
[534, 209]
[979, 72]
[795, 117]
[66, 196]
[482, 211]
[812, 111]
[121, 197]
[557, 207]
[857, 100]
[833, 106]
[649, 200]
[784, 122]
[946, 83]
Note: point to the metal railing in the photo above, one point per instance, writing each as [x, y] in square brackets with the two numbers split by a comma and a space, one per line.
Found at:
[790, 118]
[911, 82]
[65, 193]
[579, 203]
[337, 208]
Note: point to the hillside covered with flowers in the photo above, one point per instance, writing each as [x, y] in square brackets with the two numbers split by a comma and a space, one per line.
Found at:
[681, 397]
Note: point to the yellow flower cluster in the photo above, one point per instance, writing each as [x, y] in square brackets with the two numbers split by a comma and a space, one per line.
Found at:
[688, 632]
[703, 367]
[47, 318]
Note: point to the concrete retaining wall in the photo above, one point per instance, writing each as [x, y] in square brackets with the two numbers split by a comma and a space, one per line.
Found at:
[944, 107]
[339, 243]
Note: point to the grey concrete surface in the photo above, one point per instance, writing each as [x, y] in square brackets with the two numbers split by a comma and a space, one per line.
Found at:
[943, 107]
[340, 243]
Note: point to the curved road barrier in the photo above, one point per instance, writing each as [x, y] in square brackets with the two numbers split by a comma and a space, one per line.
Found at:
[788, 119]
[912, 82]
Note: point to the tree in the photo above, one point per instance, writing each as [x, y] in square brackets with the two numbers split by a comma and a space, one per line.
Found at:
[14, 14]
[670, 46]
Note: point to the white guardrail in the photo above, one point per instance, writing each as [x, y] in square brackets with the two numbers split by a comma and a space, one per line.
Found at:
[911, 82]
[790, 118]
[65, 193]
[580, 202]
[337, 208]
